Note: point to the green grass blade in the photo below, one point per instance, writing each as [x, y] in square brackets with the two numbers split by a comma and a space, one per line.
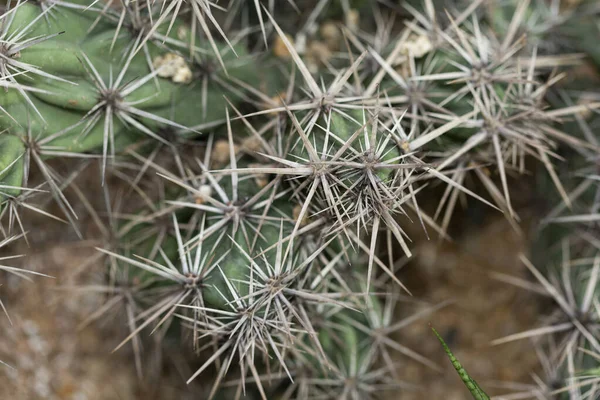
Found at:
[476, 391]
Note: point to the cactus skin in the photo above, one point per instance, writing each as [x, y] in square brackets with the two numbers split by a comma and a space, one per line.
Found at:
[11, 164]
[476, 391]
[69, 102]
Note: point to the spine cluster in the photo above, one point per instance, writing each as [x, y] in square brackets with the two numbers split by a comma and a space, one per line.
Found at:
[272, 180]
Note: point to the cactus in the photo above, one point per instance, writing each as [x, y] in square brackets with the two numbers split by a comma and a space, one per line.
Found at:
[269, 195]
[100, 104]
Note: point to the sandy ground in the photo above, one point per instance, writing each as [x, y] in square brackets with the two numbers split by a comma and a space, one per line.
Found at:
[483, 309]
[51, 357]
